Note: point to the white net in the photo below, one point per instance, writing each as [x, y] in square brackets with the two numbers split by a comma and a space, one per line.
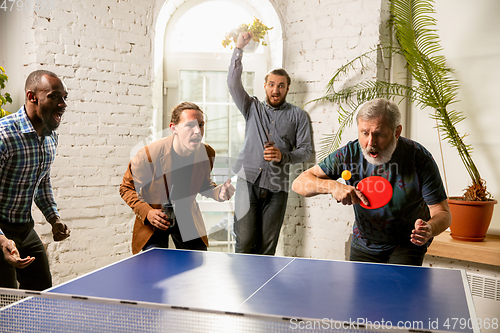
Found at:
[6, 299]
[24, 311]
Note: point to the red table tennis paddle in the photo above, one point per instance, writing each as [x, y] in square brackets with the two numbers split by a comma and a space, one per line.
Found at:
[377, 190]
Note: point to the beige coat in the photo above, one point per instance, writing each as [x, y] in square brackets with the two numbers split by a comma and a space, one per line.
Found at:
[155, 159]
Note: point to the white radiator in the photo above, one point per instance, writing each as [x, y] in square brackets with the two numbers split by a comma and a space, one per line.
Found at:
[484, 286]
[485, 292]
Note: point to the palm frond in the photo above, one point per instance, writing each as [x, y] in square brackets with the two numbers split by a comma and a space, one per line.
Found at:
[358, 94]
[331, 142]
[417, 37]
[418, 42]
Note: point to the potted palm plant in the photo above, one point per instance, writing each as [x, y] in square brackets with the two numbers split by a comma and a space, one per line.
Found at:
[432, 86]
[4, 97]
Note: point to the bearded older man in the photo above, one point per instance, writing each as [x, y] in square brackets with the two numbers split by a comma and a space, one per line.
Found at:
[401, 231]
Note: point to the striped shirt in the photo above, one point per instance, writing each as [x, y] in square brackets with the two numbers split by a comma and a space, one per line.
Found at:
[25, 160]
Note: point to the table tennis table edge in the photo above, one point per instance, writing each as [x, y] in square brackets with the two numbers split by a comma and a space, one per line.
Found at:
[162, 306]
[468, 295]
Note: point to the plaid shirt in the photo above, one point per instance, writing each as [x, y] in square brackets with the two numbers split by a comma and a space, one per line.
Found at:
[25, 160]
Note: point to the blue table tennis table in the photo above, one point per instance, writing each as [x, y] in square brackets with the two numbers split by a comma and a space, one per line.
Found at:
[294, 294]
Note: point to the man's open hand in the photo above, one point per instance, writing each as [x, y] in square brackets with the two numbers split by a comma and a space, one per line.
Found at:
[11, 253]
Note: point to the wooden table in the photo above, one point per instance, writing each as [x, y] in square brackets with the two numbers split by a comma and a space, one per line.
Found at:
[485, 252]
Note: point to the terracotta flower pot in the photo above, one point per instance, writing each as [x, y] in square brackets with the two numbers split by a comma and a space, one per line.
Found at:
[470, 219]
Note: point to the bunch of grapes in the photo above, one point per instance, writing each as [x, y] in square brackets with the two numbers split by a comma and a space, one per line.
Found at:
[257, 30]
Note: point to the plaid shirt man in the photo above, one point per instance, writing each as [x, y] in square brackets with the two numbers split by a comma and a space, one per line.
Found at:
[25, 160]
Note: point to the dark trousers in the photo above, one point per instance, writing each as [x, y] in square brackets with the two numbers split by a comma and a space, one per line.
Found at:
[258, 217]
[160, 239]
[402, 255]
[35, 276]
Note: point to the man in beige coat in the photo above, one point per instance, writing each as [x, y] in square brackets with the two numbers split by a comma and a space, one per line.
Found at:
[175, 168]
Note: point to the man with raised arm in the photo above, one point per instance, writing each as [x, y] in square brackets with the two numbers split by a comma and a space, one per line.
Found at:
[277, 135]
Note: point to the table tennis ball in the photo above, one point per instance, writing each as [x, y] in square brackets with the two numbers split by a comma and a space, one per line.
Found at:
[346, 175]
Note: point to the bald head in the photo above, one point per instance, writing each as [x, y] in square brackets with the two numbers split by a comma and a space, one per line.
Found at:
[34, 79]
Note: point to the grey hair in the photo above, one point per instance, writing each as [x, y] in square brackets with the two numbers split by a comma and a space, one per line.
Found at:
[381, 107]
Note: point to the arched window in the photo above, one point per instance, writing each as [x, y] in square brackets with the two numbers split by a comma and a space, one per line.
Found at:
[202, 27]
[194, 68]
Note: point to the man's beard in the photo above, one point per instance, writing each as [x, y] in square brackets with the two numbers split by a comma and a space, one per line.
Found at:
[384, 156]
[49, 124]
[278, 104]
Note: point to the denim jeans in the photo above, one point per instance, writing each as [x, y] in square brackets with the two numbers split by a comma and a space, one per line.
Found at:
[160, 239]
[258, 217]
[402, 255]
